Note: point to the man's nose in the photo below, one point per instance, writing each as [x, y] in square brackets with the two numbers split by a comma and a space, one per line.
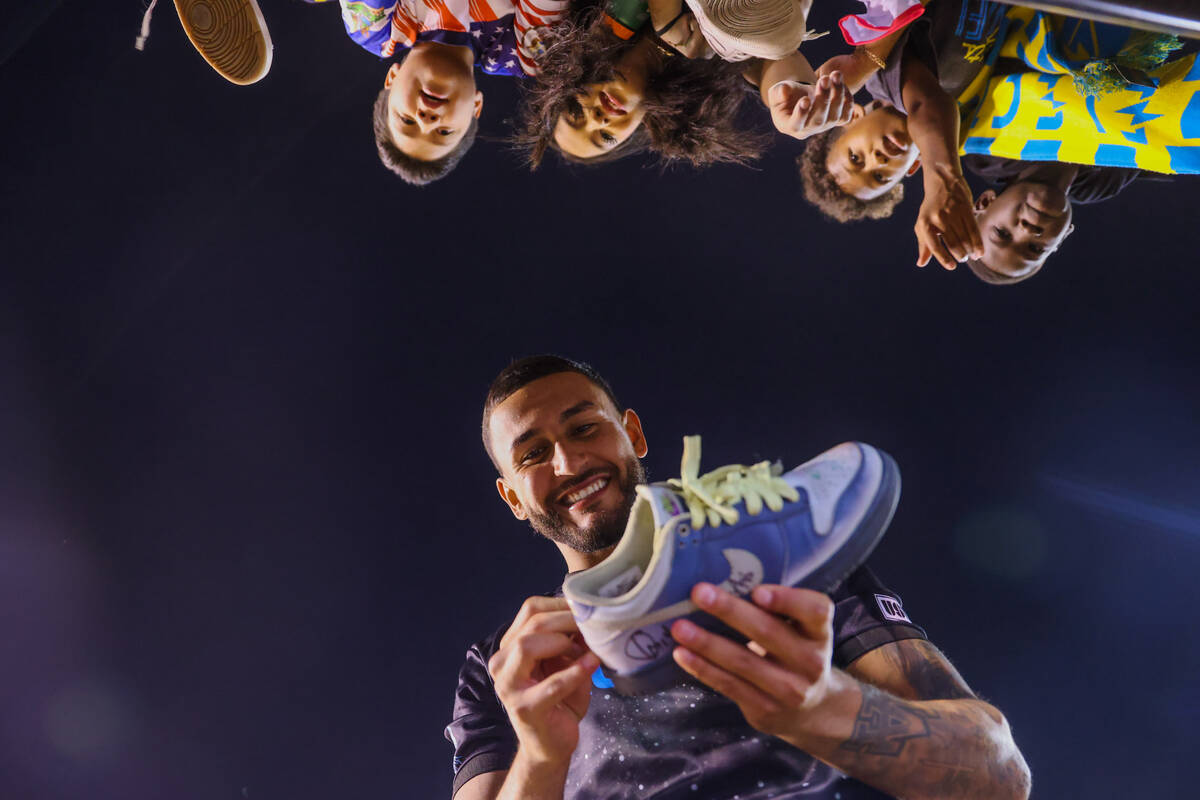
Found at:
[566, 459]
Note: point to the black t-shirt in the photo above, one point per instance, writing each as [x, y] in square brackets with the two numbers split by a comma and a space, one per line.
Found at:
[686, 741]
[1091, 184]
[952, 38]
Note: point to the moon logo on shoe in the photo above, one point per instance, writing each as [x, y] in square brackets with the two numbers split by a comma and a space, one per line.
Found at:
[745, 571]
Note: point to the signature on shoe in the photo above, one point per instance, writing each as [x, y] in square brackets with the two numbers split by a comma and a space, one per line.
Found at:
[648, 644]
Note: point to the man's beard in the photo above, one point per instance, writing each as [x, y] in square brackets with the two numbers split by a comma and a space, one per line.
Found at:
[607, 526]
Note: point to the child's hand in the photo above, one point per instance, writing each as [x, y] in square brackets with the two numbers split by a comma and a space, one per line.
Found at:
[946, 228]
[801, 110]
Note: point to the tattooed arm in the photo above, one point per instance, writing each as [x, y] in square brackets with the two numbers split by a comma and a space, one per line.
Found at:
[901, 718]
[919, 726]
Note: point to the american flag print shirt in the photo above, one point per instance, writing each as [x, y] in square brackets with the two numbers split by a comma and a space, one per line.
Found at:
[504, 34]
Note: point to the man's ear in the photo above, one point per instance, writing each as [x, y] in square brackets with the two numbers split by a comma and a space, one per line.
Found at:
[1070, 229]
[857, 112]
[633, 428]
[916, 165]
[984, 200]
[392, 72]
[478, 103]
[509, 496]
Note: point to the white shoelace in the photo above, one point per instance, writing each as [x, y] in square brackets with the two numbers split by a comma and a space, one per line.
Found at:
[710, 497]
[140, 43]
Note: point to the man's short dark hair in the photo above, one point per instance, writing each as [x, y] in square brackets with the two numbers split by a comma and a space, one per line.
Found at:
[822, 189]
[414, 170]
[525, 371]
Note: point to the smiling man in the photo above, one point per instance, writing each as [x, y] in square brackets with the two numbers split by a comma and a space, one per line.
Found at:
[426, 116]
[836, 695]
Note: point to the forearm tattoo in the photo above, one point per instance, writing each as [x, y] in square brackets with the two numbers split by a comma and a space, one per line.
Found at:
[886, 724]
[927, 672]
[924, 740]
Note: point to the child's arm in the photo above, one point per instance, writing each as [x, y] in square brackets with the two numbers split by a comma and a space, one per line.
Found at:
[862, 62]
[867, 58]
[946, 227]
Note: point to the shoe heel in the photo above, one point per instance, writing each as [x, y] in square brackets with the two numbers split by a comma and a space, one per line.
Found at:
[876, 521]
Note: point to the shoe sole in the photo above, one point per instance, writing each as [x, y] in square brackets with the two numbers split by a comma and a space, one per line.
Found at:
[231, 35]
[824, 579]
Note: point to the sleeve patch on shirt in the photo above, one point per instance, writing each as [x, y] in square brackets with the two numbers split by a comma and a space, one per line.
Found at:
[891, 609]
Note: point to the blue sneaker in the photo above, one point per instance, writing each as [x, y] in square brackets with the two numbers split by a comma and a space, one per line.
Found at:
[735, 527]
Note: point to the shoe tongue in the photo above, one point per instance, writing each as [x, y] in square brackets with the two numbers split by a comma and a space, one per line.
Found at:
[665, 503]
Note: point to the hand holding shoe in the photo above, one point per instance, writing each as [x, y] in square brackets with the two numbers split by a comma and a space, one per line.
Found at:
[783, 673]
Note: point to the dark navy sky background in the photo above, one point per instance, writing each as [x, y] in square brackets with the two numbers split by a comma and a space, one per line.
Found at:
[246, 526]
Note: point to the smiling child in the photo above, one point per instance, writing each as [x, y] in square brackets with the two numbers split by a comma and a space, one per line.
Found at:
[426, 115]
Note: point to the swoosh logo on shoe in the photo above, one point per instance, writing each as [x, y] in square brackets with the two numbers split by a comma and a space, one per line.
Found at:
[745, 573]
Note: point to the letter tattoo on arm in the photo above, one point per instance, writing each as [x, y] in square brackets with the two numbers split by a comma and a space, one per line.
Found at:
[884, 724]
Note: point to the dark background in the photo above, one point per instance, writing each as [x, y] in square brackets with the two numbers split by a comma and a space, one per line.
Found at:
[247, 529]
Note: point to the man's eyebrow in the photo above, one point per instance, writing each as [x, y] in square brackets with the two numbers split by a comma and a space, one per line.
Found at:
[581, 406]
[524, 437]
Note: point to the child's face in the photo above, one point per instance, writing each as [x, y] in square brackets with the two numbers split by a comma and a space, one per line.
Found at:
[1022, 226]
[603, 115]
[433, 98]
[873, 152]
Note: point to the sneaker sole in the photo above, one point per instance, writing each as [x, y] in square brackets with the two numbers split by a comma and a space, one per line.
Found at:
[231, 35]
[823, 579]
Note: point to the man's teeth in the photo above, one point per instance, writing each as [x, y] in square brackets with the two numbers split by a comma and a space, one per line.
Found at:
[575, 497]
